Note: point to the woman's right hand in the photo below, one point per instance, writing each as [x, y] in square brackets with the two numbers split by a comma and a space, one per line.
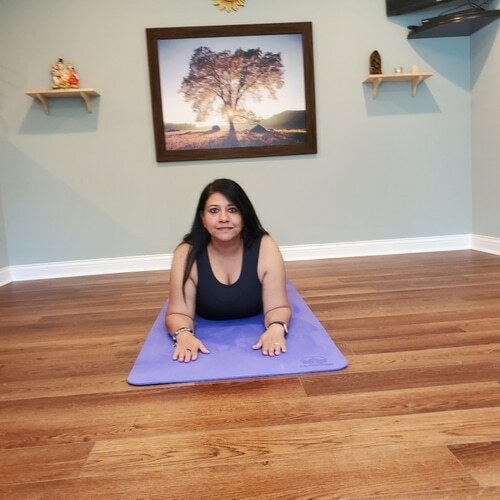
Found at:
[187, 348]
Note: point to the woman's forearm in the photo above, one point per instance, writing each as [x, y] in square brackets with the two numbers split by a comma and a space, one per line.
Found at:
[281, 313]
[176, 321]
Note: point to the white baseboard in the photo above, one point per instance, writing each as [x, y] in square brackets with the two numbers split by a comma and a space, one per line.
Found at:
[90, 267]
[5, 276]
[376, 247]
[485, 244]
[290, 253]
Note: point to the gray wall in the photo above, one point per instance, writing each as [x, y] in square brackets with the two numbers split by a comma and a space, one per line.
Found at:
[4, 259]
[79, 186]
[485, 71]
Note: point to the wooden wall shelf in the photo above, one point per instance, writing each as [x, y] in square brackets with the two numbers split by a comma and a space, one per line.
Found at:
[44, 95]
[414, 78]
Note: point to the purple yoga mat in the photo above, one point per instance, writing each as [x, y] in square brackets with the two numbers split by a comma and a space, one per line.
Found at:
[309, 349]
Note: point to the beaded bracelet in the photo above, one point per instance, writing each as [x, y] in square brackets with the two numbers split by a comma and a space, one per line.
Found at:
[180, 330]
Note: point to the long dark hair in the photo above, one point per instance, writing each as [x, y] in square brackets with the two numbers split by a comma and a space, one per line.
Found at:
[199, 237]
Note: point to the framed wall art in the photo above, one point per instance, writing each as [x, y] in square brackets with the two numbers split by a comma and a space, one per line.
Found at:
[235, 91]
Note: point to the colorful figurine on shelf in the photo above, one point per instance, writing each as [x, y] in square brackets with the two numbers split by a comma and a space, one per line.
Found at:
[64, 76]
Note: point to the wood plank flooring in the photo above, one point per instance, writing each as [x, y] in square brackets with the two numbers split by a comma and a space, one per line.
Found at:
[416, 415]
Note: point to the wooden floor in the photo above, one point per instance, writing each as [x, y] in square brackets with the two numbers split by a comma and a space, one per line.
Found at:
[416, 415]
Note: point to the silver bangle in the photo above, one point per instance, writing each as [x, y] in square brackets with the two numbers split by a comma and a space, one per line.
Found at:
[282, 323]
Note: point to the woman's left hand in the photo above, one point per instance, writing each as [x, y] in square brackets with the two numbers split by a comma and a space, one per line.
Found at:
[272, 342]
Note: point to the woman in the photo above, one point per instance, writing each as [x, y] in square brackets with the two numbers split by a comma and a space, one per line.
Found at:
[227, 267]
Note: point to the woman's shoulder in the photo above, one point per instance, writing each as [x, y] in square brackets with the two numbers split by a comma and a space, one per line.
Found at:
[179, 260]
[270, 258]
[181, 251]
[269, 248]
[268, 243]
[183, 248]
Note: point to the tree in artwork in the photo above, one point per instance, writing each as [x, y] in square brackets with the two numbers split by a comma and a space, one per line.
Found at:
[225, 82]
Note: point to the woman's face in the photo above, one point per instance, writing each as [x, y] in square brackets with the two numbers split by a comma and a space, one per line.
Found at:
[221, 218]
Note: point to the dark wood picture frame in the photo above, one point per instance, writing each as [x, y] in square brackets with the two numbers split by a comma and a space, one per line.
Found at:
[283, 57]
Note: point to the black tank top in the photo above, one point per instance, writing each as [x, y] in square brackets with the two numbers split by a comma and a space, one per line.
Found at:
[242, 299]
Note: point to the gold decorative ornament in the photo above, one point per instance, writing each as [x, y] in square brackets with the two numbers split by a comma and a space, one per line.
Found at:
[229, 5]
